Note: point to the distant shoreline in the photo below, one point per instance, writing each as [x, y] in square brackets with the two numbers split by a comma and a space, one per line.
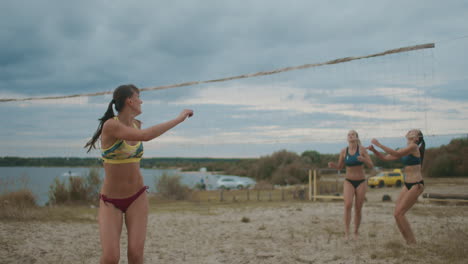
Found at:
[157, 163]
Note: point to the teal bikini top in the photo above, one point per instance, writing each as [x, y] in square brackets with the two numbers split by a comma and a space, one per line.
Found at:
[410, 160]
[351, 160]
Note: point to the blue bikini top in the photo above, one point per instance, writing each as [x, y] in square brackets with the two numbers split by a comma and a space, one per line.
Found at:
[410, 160]
[351, 160]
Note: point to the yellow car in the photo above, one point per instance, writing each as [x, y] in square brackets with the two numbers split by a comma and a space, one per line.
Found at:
[386, 178]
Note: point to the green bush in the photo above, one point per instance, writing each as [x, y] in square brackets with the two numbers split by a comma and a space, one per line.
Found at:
[77, 189]
[283, 167]
[93, 185]
[58, 193]
[441, 166]
[447, 160]
[80, 189]
[289, 174]
[311, 157]
[170, 187]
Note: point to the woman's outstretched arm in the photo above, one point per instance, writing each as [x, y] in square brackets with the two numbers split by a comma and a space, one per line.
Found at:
[396, 153]
[381, 156]
[116, 129]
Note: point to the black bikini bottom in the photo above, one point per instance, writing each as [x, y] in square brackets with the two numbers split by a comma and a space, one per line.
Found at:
[356, 183]
[410, 184]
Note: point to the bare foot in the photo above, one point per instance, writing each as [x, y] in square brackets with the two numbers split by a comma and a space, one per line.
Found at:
[356, 236]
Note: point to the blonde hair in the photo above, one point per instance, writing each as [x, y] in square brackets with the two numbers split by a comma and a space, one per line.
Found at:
[415, 133]
[357, 136]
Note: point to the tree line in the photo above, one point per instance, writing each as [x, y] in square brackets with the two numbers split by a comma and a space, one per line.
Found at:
[281, 167]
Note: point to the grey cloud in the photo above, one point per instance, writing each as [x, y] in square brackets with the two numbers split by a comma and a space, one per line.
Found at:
[56, 47]
[161, 43]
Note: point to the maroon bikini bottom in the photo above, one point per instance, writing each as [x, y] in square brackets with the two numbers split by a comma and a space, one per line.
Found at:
[123, 203]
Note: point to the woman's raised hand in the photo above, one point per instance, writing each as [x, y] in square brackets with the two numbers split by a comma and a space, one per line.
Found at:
[184, 114]
[371, 148]
[375, 142]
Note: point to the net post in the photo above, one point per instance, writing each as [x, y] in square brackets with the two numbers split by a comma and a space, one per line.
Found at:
[310, 184]
[315, 185]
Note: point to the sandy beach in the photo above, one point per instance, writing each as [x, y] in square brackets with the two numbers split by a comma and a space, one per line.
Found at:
[256, 232]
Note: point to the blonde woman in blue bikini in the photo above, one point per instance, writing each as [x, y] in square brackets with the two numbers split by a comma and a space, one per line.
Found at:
[354, 186]
[412, 157]
[123, 196]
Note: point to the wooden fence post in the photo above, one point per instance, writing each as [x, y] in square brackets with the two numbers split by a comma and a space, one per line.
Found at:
[315, 185]
[310, 185]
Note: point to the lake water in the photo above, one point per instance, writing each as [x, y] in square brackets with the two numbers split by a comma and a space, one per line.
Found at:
[39, 179]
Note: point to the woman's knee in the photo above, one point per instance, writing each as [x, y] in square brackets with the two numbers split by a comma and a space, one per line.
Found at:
[348, 206]
[359, 204]
[398, 213]
[110, 258]
[358, 210]
[135, 254]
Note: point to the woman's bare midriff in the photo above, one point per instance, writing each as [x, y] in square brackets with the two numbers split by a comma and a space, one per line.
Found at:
[122, 180]
[355, 173]
[413, 173]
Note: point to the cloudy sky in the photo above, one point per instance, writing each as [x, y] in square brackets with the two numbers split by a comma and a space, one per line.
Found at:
[50, 48]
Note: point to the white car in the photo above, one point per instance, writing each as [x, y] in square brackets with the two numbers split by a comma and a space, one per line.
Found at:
[231, 183]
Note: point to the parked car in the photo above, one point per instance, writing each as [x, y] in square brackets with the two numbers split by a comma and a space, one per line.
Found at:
[386, 178]
[232, 183]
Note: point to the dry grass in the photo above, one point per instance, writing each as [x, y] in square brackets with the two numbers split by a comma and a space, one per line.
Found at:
[20, 198]
[49, 214]
[21, 206]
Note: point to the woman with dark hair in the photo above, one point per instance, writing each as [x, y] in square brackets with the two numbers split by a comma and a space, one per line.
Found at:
[412, 157]
[123, 196]
[354, 186]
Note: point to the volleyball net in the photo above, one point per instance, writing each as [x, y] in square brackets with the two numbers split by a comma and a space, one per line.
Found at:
[308, 106]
